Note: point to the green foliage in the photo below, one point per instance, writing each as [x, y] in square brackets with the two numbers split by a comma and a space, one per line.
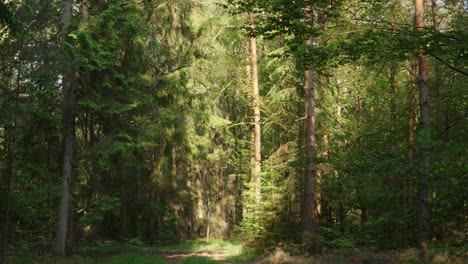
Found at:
[163, 123]
[100, 207]
[331, 237]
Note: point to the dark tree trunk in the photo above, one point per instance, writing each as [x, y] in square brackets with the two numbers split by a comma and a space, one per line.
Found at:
[308, 206]
[69, 101]
[9, 170]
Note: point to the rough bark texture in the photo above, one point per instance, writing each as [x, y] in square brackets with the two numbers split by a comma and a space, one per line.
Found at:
[69, 100]
[422, 211]
[308, 220]
[256, 106]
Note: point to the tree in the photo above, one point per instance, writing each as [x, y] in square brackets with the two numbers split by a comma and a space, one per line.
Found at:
[10, 162]
[69, 104]
[308, 205]
[257, 152]
[422, 211]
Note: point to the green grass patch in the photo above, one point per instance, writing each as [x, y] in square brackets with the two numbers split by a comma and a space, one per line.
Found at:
[132, 258]
[199, 260]
[242, 255]
[128, 258]
[52, 260]
[201, 245]
[109, 246]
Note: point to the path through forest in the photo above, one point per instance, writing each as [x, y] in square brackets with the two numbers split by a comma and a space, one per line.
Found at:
[178, 256]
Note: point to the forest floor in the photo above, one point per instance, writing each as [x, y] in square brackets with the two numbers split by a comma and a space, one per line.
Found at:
[223, 252]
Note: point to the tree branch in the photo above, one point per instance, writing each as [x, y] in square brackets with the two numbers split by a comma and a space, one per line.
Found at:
[448, 65]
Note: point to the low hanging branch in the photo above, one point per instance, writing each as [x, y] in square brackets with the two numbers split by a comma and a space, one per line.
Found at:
[447, 64]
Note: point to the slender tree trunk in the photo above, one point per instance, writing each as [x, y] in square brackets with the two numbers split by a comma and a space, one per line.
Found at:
[412, 108]
[437, 73]
[435, 15]
[9, 169]
[69, 101]
[248, 69]
[308, 206]
[422, 211]
[361, 201]
[256, 170]
[393, 72]
[411, 126]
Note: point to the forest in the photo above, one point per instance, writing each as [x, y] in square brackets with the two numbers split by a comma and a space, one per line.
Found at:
[233, 131]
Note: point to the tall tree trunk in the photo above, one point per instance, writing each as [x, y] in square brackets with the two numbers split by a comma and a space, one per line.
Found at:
[248, 69]
[69, 101]
[411, 126]
[422, 212]
[256, 170]
[437, 71]
[9, 169]
[361, 201]
[308, 206]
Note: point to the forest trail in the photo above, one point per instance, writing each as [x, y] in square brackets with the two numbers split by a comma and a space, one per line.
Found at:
[178, 256]
[191, 252]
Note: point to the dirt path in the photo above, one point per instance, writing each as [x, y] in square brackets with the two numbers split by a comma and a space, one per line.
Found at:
[177, 256]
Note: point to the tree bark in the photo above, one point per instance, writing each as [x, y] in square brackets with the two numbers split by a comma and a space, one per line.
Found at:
[412, 109]
[422, 212]
[256, 170]
[437, 71]
[435, 15]
[411, 126]
[308, 220]
[69, 101]
[9, 169]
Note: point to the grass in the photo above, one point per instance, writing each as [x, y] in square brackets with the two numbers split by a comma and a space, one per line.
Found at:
[110, 246]
[51, 260]
[200, 245]
[242, 255]
[108, 252]
[128, 258]
[199, 260]
[133, 258]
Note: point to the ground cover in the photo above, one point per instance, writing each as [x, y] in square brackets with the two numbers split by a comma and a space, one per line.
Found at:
[201, 252]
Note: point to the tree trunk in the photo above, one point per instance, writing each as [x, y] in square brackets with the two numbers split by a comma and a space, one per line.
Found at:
[422, 212]
[437, 71]
[256, 170]
[69, 101]
[85, 7]
[411, 126]
[435, 15]
[308, 220]
[9, 170]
